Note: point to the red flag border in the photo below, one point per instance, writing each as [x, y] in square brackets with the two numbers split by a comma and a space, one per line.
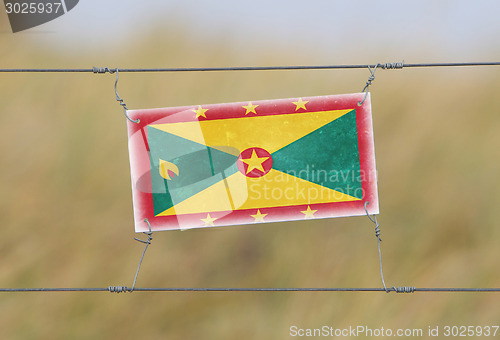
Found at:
[139, 160]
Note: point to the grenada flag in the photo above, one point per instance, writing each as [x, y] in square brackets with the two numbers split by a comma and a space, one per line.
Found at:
[252, 162]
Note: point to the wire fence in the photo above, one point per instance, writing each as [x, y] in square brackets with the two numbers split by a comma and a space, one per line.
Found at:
[371, 67]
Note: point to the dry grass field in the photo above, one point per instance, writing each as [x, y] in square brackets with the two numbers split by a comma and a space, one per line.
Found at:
[66, 208]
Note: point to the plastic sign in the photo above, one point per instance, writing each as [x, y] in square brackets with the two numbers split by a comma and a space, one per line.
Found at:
[252, 162]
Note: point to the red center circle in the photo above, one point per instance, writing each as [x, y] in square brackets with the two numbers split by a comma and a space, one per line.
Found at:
[254, 162]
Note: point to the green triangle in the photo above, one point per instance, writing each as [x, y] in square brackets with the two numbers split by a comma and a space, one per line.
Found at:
[328, 156]
[199, 167]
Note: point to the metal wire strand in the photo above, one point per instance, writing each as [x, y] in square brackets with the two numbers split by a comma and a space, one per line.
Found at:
[404, 289]
[368, 83]
[118, 99]
[119, 289]
[377, 235]
[122, 289]
[248, 68]
[147, 243]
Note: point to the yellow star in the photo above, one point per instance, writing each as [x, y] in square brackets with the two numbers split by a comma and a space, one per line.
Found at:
[200, 112]
[309, 213]
[209, 220]
[258, 216]
[300, 104]
[250, 108]
[254, 162]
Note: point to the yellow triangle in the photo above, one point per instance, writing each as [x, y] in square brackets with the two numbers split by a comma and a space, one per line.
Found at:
[225, 195]
[234, 135]
[275, 189]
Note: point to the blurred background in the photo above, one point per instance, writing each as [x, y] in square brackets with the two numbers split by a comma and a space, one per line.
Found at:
[65, 199]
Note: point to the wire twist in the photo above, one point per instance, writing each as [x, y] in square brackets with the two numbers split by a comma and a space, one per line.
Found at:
[404, 289]
[392, 66]
[374, 220]
[120, 101]
[122, 289]
[118, 289]
[104, 70]
[147, 243]
[385, 66]
[368, 83]
[379, 239]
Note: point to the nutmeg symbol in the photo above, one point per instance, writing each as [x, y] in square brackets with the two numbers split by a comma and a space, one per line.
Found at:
[168, 170]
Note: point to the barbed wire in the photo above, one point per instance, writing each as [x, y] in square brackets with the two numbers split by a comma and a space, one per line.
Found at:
[398, 65]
